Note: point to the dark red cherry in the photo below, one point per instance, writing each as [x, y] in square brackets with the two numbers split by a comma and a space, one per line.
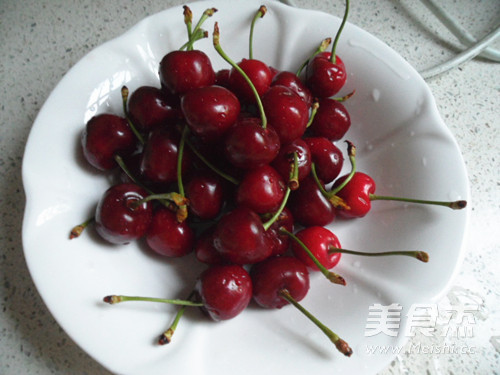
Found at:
[205, 250]
[222, 78]
[294, 83]
[286, 112]
[205, 192]
[119, 217]
[224, 290]
[275, 274]
[284, 161]
[319, 240]
[159, 157]
[280, 241]
[323, 77]
[309, 206]
[248, 145]
[327, 158]
[262, 190]
[258, 73]
[105, 136]
[149, 107]
[240, 237]
[209, 111]
[332, 120]
[181, 71]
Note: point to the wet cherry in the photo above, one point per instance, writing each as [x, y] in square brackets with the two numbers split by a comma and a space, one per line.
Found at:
[284, 161]
[294, 83]
[206, 194]
[258, 73]
[319, 240]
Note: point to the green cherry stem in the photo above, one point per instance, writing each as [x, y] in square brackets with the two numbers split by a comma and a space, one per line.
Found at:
[114, 299]
[314, 110]
[218, 48]
[166, 337]
[420, 255]
[351, 151]
[333, 57]
[260, 13]
[332, 276]
[182, 213]
[455, 205]
[125, 93]
[339, 343]
[77, 230]
[321, 48]
[197, 31]
[188, 20]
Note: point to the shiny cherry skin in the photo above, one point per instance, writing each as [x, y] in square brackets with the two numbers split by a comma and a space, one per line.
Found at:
[167, 237]
[319, 240]
[209, 111]
[204, 248]
[323, 77]
[258, 73]
[294, 83]
[224, 290]
[240, 237]
[356, 194]
[284, 161]
[159, 157]
[248, 145]
[286, 112]
[262, 190]
[309, 206]
[182, 71]
[332, 120]
[149, 106]
[105, 136]
[280, 242]
[206, 194]
[274, 274]
[119, 218]
[327, 158]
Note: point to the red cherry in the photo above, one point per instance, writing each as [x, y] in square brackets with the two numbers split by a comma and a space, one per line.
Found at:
[240, 237]
[284, 161]
[331, 121]
[149, 107]
[286, 112]
[119, 217]
[222, 78]
[167, 237]
[319, 241]
[105, 136]
[323, 77]
[294, 83]
[249, 145]
[273, 275]
[205, 250]
[356, 195]
[258, 73]
[205, 192]
[280, 241]
[262, 190]
[225, 291]
[327, 157]
[181, 71]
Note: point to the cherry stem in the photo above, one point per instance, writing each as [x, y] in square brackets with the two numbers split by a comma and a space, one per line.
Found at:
[218, 48]
[321, 48]
[332, 276]
[125, 93]
[344, 98]
[454, 205]
[340, 344]
[179, 205]
[188, 20]
[200, 34]
[420, 255]
[182, 213]
[78, 230]
[113, 299]
[260, 13]
[351, 151]
[166, 337]
[197, 29]
[293, 174]
[333, 57]
[314, 110]
[293, 180]
[210, 165]
[124, 168]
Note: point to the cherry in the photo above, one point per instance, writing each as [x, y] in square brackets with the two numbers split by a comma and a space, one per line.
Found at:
[222, 78]
[359, 192]
[120, 216]
[283, 163]
[262, 190]
[209, 111]
[280, 242]
[205, 192]
[275, 274]
[205, 250]
[149, 106]
[224, 290]
[239, 237]
[258, 73]
[286, 112]
[331, 120]
[104, 137]
[327, 158]
[294, 83]
[319, 240]
[167, 236]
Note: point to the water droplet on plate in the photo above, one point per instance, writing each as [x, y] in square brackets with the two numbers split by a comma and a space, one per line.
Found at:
[376, 95]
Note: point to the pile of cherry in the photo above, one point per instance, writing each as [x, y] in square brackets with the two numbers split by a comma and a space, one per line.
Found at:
[239, 166]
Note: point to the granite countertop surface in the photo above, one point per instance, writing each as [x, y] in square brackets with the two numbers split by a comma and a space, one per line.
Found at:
[41, 40]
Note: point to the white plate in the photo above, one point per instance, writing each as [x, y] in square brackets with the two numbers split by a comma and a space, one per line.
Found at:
[401, 142]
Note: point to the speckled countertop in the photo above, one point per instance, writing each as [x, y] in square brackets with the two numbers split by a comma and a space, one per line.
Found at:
[40, 40]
